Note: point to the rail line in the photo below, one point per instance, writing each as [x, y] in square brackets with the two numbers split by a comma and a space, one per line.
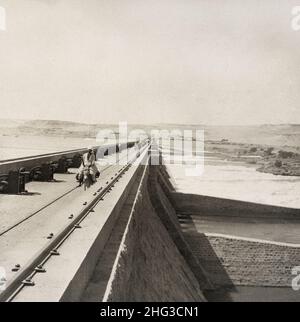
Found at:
[43, 208]
[47, 205]
[36, 265]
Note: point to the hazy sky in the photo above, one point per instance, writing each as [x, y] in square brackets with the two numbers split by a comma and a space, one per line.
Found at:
[143, 61]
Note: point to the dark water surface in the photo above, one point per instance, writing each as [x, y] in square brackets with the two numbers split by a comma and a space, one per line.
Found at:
[254, 294]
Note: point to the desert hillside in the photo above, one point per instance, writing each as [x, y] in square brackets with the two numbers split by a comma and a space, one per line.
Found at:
[274, 135]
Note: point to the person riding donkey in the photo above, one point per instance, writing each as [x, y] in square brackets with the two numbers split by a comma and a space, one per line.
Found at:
[88, 162]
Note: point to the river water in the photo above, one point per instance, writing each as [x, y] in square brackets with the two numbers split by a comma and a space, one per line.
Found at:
[25, 145]
[242, 182]
[22, 146]
[239, 182]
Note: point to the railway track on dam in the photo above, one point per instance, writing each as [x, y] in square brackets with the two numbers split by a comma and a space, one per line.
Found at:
[57, 198]
[23, 276]
[37, 212]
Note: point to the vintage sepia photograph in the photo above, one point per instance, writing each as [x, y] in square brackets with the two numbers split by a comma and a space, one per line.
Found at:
[149, 153]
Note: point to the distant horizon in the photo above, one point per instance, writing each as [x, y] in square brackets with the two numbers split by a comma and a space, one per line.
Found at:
[149, 124]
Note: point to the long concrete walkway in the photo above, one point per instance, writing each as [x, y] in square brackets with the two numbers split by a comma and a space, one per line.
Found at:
[22, 242]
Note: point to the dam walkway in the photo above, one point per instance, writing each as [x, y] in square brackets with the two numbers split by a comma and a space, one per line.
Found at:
[132, 237]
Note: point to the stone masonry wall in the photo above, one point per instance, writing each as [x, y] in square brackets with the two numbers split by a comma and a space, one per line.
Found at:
[231, 261]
